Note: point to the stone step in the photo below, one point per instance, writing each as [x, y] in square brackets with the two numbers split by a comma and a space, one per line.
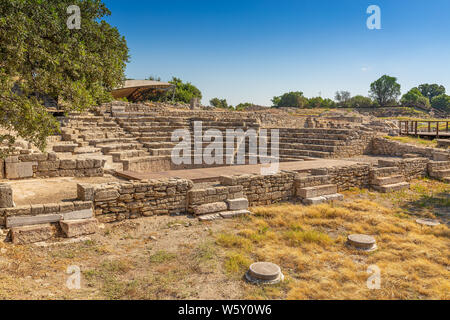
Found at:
[391, 187]
[323, 199]
[383, 172]
[77, 228]
[307, 153]
[84, 150]
[119, 156]
[33, 233]
[209, 208]
[317, 191]
[382, 181]
[440, 174]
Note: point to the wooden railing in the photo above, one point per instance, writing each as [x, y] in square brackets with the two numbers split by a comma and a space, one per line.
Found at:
[412, 127]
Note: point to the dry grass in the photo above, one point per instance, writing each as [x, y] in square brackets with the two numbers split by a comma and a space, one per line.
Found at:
[416, 141]
[193, 260]
[309, 245]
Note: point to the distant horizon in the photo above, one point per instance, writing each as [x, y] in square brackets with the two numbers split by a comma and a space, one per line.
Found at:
[251, 51]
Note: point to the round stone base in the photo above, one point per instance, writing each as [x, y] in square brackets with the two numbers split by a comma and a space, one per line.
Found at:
[428, 222]
[362, 242]
[264, 273]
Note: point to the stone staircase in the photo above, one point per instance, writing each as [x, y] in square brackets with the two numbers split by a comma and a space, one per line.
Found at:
[316, 189]
[98, 136]
[227, 209]
[439, 170]
[387, 179]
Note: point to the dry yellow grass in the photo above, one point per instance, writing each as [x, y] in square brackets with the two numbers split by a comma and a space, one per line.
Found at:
[309, 245]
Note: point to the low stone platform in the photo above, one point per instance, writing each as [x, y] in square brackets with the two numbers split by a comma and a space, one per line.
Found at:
[213, 174]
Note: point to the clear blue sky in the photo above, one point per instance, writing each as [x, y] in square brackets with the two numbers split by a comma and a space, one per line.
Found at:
[250, 51]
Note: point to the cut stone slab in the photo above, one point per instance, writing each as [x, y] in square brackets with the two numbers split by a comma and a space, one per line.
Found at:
[19, 170]
[392, 187]
[18, 221]
[334, 197]
[362, 242]
[428, 222]
[237, 204]
[32, 234]
[78, 215]
[323, 199]
[441, 173]
[210, 208]
[234, 214]
[388, 180]
[264, 273]
[317, 191]
[77, 228]
[6, 196]
[210, 217]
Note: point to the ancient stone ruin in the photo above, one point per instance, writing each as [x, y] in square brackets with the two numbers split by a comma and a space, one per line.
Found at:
[119, 158]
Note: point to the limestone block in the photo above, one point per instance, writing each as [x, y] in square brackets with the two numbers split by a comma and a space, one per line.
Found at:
[210, 208]
[85, 192]
[68, 164]
[19, 170]
[104, 195]
[31, 234]
[6, 196]
[234, 214]
[76, 228]
[237, 204]
[18, 221]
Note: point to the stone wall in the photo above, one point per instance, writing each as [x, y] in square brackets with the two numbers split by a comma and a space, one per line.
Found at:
[42, 213]
[383, 146]
[43, 165]
[410, 168]
[118, 201]
[346, 177]
[214, 194]
[264, 190]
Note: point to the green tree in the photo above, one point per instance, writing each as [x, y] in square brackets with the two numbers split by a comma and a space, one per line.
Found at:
[41, 57]
[219, 103]
[319, 102]
[414, 98]
[431, 90]
[184, 92]
[243, 106]
[290, 99]
[360, 102]
[441, 102]
[342, 97]
[385, 90]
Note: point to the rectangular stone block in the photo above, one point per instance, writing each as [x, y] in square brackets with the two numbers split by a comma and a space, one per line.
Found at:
[105, 195]
[311, 192]
[237, 204]
[210, 208]
[19, 170]
[76, 228]
[32, 234]
[85, 192]
[78, 215]
[234, 214]
[6, 196]
[18, 221]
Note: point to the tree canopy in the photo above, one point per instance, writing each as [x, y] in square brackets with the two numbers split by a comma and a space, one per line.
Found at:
[290, 99]
[441, 102]
[184, 92]
[342, 97]
[40, 56]
[385, 90]
[431, 90]
[414, 98]
[219, 103]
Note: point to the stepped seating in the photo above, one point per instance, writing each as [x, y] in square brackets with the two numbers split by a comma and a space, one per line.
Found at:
[439, 170]
[387, 179]
[316, 189]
